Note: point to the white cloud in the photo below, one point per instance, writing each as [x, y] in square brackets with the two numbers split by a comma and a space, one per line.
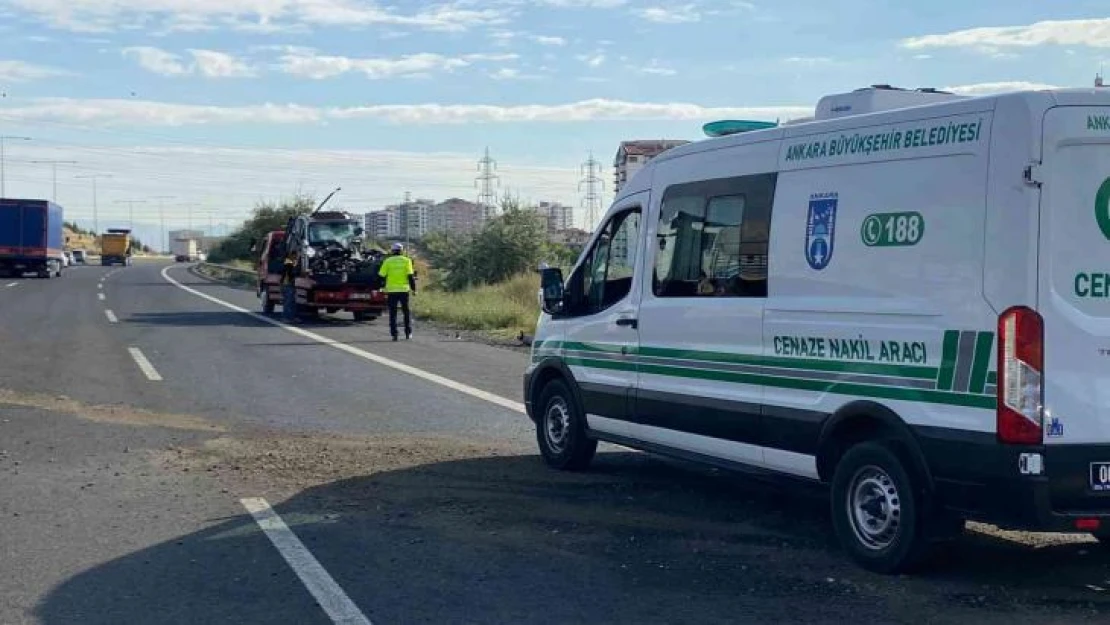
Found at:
[116, 112]
[677, 14]
[808, 60]
[21, 71]
[254, 15]
[1093, 33]
[220, 65]
[208, 63]
[308, 64]
[584, 4]
[593, 60]
[992, 88]
[548, 40]
[653, 68]
[157, 60]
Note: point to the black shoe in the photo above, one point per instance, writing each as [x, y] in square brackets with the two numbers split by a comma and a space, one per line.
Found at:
[394, 339]
[408, 335]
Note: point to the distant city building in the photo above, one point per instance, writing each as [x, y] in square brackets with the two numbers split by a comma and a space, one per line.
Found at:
[382, 224]
[571, 237]
[455, 216]
[559, 216]
[412, 219]
[633, 155]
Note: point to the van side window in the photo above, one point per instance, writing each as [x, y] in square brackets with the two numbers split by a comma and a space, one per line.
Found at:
[607, 271]
[712, 238]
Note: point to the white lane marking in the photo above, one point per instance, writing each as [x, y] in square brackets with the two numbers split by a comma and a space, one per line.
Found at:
[316, 579]
[100, 285]
[148, 369]
[10, 285]
[100, 296]
[400, 366]
[111, 316]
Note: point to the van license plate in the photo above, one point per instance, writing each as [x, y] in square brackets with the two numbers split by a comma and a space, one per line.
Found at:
[1100, 476]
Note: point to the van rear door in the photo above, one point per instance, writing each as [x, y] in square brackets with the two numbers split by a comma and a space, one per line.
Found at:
[1074, 284]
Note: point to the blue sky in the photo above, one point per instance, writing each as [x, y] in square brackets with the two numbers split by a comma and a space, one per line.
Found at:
[220, 103]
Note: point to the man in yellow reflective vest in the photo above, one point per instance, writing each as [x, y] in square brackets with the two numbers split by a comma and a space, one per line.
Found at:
[400, 281]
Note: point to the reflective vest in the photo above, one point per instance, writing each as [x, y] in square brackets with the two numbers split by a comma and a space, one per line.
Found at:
[396, 270]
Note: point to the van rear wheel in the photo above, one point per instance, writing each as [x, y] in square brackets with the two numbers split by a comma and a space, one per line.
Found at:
[878, 509]
[561, 429]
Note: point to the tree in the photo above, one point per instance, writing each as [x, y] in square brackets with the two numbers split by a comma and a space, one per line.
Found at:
[511, 243]
[267, 217]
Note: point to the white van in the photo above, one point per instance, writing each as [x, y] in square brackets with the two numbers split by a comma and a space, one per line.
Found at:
[906, 298]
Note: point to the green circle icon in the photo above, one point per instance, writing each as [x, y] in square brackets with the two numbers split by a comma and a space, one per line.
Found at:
[872, 230]
[1102, 208]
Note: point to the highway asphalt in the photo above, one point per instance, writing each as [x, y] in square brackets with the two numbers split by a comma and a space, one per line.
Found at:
[185, 460]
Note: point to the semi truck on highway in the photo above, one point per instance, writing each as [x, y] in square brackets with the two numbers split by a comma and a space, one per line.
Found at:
[332, 275]
[185, 250]
[31, 237]
[115, 247]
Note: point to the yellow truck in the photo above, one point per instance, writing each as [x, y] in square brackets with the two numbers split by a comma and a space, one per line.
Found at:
[115, 247]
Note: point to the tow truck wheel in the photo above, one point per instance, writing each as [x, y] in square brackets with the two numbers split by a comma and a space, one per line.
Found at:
[267, 304]
[878, 509]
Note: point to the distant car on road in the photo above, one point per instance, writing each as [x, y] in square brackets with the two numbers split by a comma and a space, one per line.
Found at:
[78, 257]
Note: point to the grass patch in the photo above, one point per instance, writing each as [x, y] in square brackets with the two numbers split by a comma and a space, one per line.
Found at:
[503, 310]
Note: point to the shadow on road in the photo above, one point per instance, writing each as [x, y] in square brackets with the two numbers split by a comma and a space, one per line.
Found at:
[636, 540]
[196, 319]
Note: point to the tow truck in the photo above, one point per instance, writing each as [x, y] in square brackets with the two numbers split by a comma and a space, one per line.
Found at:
[332, 274]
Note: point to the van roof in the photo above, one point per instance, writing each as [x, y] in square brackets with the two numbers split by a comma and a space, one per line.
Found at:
[1033, 101]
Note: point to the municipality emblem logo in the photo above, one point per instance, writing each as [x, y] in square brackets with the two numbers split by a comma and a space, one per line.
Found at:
[820, 229]
[1102, 208]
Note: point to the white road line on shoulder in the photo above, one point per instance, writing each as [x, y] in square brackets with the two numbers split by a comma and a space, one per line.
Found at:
[100, 296]
[148, 369]
[316, 579]
[111, 316]
[354, 351]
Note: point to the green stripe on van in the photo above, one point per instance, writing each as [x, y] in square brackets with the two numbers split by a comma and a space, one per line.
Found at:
[948, 360]
[836, 366]
[983, 344]
[821, 386]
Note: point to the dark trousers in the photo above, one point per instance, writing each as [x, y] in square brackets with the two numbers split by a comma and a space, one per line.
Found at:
[402, 300]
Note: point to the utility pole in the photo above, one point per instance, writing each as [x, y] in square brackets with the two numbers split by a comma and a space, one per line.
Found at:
[54, 166]
[96, 223]
[162, 218]
[4, 138]
[591, 201]
[131, 211]
[485, 182]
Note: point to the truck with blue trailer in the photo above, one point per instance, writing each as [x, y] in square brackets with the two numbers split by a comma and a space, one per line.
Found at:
[32, 239]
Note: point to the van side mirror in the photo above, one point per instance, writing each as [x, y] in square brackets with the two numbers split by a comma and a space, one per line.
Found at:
[551, 288]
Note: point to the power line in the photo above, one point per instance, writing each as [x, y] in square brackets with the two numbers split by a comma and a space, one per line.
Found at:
[485, 182]
[54, 167]
[591, 201]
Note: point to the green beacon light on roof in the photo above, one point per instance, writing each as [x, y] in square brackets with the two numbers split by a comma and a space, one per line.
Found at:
[734, 126]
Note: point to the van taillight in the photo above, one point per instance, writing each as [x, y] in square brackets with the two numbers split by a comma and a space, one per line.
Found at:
[1020, 376]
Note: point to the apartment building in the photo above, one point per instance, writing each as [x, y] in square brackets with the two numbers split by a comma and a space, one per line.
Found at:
[382, 224]
[455, 216]
[633, 155]
[559, 217]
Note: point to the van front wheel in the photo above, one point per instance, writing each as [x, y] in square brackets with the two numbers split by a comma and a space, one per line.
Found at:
[877, 509]
[561, 429]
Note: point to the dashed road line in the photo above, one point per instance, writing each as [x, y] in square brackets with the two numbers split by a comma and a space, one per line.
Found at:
[148, 369]
[100, 296]
[354, 351]
[11, 284]
[111, 316]
[312, 574]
